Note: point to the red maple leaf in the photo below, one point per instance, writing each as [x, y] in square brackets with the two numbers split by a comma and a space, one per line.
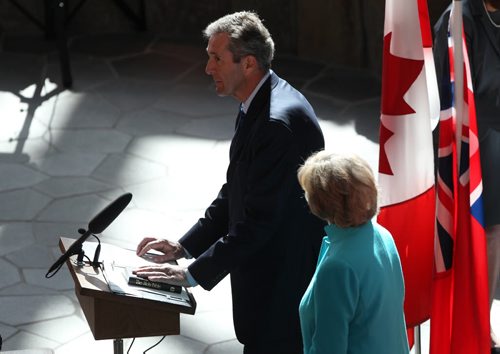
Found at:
[383, 162]
[398, 75]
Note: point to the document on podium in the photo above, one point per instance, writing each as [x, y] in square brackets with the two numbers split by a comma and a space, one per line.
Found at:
[117, 267]
[117, 277]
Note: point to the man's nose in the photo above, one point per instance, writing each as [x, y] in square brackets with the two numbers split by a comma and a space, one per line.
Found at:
[209, 67]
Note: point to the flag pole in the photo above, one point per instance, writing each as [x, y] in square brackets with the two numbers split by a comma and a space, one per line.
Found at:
[418, 346]
[458, 60]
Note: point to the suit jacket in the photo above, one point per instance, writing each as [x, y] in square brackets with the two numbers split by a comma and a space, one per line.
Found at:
[483, 46]
[259, 228]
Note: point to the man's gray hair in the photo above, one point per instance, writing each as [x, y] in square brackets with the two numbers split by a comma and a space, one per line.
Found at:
[248, 36]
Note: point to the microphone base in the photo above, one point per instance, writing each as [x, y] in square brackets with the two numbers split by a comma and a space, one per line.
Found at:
[97, 264]
[88, 263]
[80, 263]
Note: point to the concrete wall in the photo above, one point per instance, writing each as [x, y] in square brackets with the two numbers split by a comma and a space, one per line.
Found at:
[347, 32]
[344, 32]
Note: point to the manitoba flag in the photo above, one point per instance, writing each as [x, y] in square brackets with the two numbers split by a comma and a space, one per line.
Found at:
[460, 311]
[406, 162]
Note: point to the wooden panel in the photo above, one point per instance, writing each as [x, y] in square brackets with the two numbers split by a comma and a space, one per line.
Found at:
[114, 320]
[109, 319]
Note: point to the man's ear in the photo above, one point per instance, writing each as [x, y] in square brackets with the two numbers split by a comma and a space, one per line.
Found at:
[250, 63]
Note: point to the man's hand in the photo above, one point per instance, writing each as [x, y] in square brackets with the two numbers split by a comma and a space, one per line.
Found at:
[171, 250]
[165, 273]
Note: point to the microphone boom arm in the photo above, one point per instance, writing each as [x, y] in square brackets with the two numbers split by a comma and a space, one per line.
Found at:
[97, 225]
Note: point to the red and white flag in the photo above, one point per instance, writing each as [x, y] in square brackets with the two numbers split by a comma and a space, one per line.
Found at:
[406, 162]
[460, 311]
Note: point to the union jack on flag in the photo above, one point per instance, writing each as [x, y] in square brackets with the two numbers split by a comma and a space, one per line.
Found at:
[460, 312]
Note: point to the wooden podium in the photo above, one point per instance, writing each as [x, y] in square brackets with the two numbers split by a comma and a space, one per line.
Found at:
[114, 316]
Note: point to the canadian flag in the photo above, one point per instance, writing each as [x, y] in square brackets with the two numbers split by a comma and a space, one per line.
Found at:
[410, 102]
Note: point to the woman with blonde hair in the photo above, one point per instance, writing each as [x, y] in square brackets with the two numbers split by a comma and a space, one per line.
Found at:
[354, 303]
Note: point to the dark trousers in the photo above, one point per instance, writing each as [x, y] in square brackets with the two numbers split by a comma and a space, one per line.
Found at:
[273, 348]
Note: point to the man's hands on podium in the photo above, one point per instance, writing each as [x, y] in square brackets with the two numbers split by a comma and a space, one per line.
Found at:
[166, 273]
[171, 250]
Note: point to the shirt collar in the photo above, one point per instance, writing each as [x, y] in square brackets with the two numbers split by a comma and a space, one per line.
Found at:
[336, 234]
[245, 105]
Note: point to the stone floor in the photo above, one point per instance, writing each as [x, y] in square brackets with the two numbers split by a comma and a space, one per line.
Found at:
[141, 117]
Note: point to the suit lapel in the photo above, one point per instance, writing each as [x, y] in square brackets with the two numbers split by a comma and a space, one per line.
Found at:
[478, 10]
[239, 134]
[247, 126]
[488, 28]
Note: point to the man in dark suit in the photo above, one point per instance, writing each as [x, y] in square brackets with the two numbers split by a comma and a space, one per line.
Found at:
[482, 33]
[258, 229]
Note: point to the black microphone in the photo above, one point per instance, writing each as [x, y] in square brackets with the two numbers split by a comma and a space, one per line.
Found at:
[97, 225]
[106, 216]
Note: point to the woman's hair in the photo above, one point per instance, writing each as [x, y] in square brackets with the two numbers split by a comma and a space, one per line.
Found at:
[339, 188]
[248, 36]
